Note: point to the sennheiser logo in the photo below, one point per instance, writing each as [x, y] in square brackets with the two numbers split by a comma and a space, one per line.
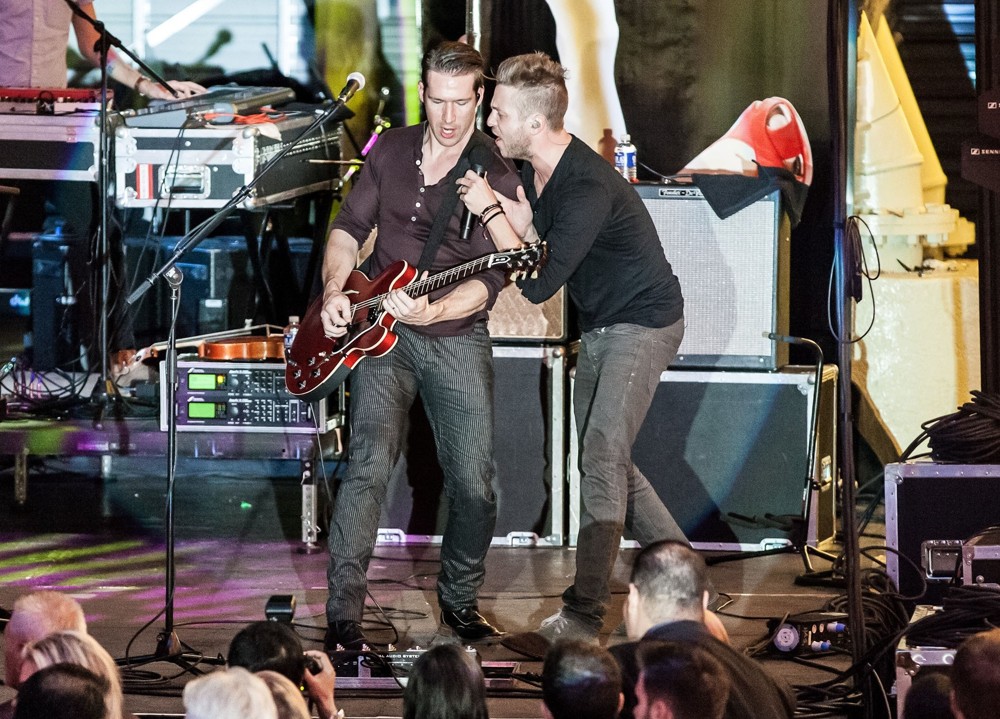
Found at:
[991, 105]
[984, 151]
[974, 151]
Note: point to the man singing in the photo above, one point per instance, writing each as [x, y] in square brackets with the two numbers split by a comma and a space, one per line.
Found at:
[603, 246]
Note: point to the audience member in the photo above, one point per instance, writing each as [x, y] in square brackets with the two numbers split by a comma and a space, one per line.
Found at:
[580, 681]
[667, 597]
[63, 691]
[274, 646]
[929, 697]
[678, 681]
[975, 677]
[34, 616]
[71, 647]
[288, 700]
[445, 683]
[232, 693]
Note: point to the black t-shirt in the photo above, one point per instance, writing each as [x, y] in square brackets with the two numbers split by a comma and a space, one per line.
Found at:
[602, 244]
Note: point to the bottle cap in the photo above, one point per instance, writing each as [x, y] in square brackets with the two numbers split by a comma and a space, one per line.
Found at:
[626, 139]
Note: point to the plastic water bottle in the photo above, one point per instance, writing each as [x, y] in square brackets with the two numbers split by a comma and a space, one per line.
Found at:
[291, 329]
[626, 159]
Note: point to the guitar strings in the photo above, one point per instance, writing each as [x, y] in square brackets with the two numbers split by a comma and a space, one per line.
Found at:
[428, 283]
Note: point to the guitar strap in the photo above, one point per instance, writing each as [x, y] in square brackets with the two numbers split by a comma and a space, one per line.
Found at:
[447, 208]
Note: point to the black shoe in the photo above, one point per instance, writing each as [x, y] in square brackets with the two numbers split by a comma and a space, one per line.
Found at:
[344, 634]
[469, 624]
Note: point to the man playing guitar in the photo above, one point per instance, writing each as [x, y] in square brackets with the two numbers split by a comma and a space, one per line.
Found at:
[407, 189]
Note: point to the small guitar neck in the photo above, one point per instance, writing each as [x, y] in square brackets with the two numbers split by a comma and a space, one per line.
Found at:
[421, 287]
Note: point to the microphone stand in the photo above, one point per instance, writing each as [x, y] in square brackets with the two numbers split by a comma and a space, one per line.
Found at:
[798, 527]
[169, 647]
[104, 44]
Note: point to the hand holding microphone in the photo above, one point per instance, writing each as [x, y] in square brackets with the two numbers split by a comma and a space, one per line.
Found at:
[478, 157]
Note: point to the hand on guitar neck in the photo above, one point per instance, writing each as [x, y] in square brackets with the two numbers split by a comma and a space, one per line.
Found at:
[342, 328]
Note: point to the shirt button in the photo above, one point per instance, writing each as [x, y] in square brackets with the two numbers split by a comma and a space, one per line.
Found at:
[418, 163]
[413, 219]
[418, 204]
[421, 189]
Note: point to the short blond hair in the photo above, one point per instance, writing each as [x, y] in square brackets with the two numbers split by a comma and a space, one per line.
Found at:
[78, 648]
[288, 700]
[540, 82]
[232, 693]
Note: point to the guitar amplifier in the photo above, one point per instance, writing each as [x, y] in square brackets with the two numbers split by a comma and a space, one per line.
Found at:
[733, 273]
[530, 394]
[727, 453]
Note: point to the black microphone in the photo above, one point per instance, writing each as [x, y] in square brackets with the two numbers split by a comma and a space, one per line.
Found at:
[478, 157]
[355, 81]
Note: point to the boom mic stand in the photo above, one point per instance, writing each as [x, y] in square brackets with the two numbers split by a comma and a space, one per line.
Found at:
[103, 46]
[169, 647]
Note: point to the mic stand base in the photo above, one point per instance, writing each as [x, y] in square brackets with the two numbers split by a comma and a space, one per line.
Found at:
[169, 648]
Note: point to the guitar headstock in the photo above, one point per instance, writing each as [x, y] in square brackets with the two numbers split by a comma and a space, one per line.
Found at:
[521, 259]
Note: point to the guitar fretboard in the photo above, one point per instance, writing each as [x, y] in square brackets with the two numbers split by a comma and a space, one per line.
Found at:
[434, 282]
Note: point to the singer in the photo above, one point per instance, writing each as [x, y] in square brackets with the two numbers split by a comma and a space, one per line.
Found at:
[408, 190]
[604, 247]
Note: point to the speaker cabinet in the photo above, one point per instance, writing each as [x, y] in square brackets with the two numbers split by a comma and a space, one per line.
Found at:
[529, 391]
[515, 318]
[733, 273]
[727, 454]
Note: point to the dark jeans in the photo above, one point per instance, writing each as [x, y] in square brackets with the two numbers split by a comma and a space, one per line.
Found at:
[617, 373]
[454, 376]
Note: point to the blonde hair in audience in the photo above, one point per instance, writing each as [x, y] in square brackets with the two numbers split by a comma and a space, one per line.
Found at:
[72, 647]
[288, 700]
[232, 693]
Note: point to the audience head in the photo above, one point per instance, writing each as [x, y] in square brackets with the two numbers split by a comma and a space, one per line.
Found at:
[75, 648]
[929, 697]
[580, 681]
[232, 693]
[679, 681]
[288, 700]
[268, 646]
[445, 683]
[975, 677]
[669, 583]
[34, 616]
[63, 691]
[539, 85]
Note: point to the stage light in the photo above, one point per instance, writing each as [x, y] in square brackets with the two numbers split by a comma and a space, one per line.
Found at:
[280, 608]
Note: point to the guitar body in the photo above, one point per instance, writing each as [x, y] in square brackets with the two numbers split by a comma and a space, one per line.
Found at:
[316, 364]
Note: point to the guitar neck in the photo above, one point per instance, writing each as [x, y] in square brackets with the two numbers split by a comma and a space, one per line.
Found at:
[419, 288]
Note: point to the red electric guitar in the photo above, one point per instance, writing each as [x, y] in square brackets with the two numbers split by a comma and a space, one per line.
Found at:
[316, 364]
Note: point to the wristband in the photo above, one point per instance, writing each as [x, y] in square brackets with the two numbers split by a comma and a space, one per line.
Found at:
[494, 206]
[139, 81]
[491, 217]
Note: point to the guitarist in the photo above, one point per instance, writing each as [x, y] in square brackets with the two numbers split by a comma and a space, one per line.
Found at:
[407, 189]
[603, 245]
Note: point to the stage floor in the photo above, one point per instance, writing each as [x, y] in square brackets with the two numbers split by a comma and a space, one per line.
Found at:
[237, 543]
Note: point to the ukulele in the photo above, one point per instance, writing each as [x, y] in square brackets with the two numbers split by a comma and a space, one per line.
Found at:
[317, 364]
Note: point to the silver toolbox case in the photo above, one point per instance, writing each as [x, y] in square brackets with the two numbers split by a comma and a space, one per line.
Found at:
[530, 444]
[716, 444]
[931, 510]
[981, 560]
[204, 166]
[50, 147]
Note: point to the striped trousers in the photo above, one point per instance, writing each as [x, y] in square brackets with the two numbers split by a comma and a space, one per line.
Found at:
[454, 376]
